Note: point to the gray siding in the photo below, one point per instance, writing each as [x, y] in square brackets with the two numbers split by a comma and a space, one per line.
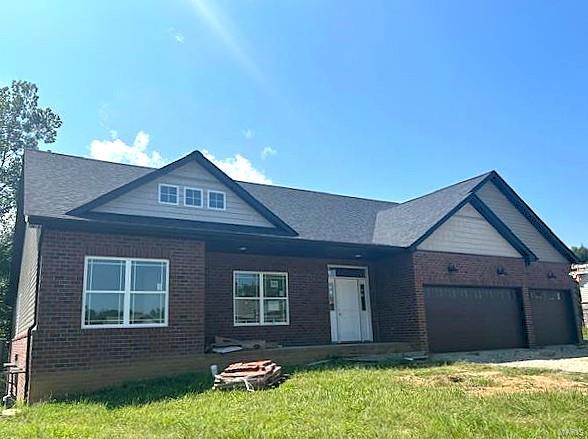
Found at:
[468, 232]
[519, 225]
[144, 200]
[27, 284]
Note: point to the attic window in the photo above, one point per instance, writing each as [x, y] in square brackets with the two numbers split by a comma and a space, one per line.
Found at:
[168, 194]
[192, 197]
[216, 200]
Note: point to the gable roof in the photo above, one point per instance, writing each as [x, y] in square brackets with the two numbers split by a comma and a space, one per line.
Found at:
[404, 224]
[206, 164]
[57, 185]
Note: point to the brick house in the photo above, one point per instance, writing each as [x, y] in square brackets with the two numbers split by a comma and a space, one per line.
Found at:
[124, 272]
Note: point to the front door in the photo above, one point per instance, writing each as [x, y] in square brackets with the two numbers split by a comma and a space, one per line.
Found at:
[348, 309]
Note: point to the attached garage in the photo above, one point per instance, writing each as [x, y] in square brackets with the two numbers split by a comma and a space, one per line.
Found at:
[553, 317]
[468, 318]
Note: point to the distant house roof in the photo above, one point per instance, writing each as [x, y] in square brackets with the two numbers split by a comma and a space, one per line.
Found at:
[57, 186]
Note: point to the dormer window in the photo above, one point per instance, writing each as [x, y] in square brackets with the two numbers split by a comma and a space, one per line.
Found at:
[216, 200]
[192, 197]
[168, 194]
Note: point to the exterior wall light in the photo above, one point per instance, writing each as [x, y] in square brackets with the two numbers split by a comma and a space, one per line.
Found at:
[451, 268]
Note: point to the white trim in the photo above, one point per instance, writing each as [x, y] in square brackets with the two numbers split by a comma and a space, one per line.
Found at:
[261, 298]
[369, 336]
[166, 202]
[224, 194]
[201, 197]
[127, 294]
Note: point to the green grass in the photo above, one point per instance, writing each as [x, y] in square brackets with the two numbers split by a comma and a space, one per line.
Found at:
[338, 400]
[585, 332]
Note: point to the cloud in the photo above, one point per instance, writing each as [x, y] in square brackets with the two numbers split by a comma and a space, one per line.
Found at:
[116, 150]
[177, 36]
[239, 168]
[248, 134]
[268, 151]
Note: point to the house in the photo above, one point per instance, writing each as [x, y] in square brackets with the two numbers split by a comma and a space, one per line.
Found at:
[580, 275]
[127, 272]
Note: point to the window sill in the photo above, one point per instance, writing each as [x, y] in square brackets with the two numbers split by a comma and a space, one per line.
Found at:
[138, 326]
[261, 324]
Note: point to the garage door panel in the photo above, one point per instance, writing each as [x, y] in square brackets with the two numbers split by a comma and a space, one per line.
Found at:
[553, 317]
[465, 318]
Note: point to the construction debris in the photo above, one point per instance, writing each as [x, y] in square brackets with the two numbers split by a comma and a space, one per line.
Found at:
[254, 375]
[223, 345]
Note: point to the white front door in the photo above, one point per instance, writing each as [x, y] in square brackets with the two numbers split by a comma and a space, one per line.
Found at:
[348, 309]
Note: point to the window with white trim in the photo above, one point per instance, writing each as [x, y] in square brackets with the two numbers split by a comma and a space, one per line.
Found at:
[216, 200]
[192, 197]
[260, 298]
[168, 194]
[125, 292]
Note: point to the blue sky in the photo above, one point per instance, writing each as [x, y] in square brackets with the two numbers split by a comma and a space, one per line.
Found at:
[379, 99]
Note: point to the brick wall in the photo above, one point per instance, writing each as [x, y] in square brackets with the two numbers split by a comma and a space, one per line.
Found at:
[18, 356]
[399, 316]
[307, 293]
[431, 269]
[60, 344]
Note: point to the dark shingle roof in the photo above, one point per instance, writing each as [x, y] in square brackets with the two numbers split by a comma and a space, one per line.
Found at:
[404, 224]
[57, 183]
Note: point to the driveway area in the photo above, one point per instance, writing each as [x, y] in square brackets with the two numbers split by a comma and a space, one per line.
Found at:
[569, 358]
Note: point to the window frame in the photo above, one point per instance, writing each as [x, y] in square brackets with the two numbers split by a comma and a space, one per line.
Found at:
[201, 197]
[261, 298]
[126, 294]
[224, 194]
[160, 185]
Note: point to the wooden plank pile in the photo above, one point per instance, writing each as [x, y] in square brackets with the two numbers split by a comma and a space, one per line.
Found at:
[254, 375]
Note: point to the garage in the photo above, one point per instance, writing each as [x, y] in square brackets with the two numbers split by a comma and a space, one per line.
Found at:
[472, 318]
[553, 317]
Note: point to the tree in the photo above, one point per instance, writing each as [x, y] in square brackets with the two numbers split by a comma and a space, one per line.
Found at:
[22, 126]
[581, 252]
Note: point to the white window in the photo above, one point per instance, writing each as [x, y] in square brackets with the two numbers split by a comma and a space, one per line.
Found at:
[192, 197]
[216, 200]
[260, 298]
[125, 292]
[168, 194]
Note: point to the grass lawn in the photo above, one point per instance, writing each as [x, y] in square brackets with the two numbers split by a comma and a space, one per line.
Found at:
[338, 400]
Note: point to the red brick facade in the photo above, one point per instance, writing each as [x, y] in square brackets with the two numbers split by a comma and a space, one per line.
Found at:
[307, 296]
[431, 269]
[65, 357]
[59, 343]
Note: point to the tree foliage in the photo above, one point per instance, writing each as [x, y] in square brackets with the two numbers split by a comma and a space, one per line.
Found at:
[23, 125]
[581, 252]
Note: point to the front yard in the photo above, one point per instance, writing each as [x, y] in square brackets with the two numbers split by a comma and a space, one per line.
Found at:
[339, 400]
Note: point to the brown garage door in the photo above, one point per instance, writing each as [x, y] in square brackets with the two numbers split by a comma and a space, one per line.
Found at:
[464, 319]
[553, 317]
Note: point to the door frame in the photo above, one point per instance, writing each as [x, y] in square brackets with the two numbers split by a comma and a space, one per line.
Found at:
[363, 315]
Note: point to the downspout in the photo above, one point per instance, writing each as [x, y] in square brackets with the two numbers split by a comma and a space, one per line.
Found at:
[34, 323]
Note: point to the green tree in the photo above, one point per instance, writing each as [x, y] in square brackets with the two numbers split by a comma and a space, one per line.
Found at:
[22, 125]
[581, 252]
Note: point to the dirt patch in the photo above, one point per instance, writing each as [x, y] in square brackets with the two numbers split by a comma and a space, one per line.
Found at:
[488, 383]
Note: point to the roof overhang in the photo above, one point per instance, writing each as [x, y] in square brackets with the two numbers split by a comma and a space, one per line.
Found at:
[230, 241]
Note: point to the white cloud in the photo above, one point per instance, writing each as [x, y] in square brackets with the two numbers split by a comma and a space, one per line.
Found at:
[238, 168]
[177, 36]
[116, 150]
[248, 134]
[268, 151]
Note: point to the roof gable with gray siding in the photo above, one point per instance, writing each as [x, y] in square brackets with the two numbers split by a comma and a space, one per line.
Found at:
[144, 200]
[520, 226]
